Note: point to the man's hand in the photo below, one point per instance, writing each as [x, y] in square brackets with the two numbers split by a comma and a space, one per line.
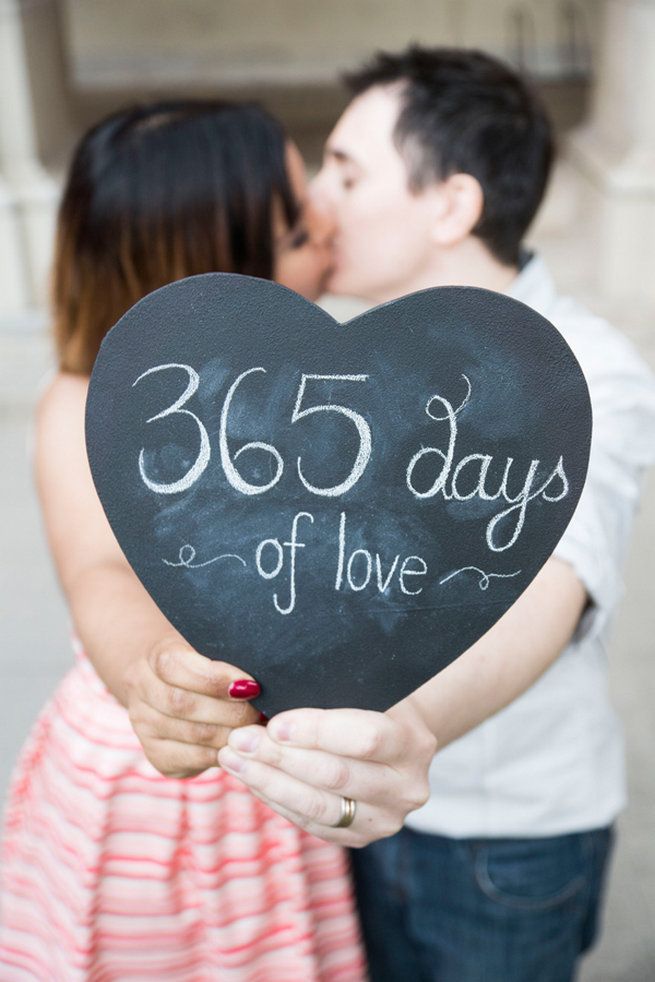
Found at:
[184, 706]
[307, 759]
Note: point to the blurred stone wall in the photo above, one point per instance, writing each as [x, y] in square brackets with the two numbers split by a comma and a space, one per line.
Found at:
[65, 63]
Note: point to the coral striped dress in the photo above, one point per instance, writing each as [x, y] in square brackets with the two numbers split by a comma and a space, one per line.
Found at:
[112, 873]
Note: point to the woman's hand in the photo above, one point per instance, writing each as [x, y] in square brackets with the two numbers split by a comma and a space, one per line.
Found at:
[306, 760]
[184, 706]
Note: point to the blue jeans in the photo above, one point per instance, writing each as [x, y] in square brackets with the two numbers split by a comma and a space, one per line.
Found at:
[435, 909]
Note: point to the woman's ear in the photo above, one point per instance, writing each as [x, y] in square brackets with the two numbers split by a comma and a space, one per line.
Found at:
[458, 205]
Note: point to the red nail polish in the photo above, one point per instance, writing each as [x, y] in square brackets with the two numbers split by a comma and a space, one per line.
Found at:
[263, 719]
[244, 689]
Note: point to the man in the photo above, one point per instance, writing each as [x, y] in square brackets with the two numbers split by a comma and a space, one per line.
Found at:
[434, 173]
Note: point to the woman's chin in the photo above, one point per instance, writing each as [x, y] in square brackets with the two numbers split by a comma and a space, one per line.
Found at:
[338, 283]
[319, 288]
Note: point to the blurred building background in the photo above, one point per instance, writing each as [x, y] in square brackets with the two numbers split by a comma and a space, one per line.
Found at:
[64, 63]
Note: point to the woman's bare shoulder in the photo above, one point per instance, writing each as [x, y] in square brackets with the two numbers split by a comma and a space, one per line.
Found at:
[63, 390]
[62, 400]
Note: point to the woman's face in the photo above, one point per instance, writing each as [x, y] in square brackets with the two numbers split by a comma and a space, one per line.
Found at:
[303, 254]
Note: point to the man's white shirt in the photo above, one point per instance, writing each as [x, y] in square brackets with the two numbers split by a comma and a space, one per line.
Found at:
[552, 762]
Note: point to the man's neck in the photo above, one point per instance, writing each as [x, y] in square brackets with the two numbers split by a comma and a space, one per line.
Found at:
[468, 264]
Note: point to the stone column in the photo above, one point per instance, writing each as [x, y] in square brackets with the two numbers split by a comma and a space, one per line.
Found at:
[32, 92]
[615, 153]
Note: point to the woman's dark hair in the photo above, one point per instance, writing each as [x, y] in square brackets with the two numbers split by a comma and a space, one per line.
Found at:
[463, 111]
[158, 192]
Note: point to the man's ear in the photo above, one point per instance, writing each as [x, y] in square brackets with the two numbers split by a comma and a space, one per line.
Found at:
[458, 205]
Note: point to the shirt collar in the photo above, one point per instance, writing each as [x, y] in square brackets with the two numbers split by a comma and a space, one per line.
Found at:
[534, 285]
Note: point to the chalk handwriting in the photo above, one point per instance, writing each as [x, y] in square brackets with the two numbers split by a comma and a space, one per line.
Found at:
[363, 430]
[447, 458]
[532, 488]
[231, 472]
[237, 481]
[455, 481]
[187, 554]
[293, 545]
[202, 459]
[485, 578]
[359, 567]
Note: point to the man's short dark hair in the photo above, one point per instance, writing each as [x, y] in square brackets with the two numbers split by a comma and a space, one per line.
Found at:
[463, 111]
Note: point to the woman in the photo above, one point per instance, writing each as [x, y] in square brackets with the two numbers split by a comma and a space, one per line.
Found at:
[114, 866]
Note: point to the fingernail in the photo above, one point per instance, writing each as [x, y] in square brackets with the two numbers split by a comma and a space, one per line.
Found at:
[282, 731]
[263, 719]
[231, 761]
[244, 689]
[246, 742]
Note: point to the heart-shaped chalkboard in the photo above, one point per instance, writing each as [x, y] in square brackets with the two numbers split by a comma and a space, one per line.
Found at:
[340, 510]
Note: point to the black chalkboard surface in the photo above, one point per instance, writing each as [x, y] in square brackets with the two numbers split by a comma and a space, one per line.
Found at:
[340, 510]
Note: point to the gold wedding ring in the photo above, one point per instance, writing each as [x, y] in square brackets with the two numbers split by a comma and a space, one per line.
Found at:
[348, 812]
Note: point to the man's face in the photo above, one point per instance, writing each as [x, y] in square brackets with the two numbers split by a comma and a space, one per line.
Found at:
[383, 245]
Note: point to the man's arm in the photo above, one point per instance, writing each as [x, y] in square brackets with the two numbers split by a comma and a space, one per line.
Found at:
[510, 657]
[308, 758]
